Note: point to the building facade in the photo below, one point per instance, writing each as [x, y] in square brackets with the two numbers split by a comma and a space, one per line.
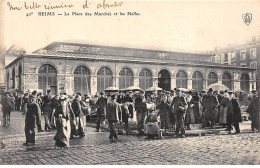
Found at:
[88, 69]
[242, 56]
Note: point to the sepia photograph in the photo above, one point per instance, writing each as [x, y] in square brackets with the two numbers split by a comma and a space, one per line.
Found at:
[129, 82]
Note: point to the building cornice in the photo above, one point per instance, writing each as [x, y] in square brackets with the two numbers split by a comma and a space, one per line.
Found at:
[134, 60]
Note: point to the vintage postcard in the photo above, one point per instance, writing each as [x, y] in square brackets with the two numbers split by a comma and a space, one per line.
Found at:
[129, 82]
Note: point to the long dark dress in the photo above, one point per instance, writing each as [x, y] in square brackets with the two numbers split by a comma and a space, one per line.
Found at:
[223, 111]
[31, 119]
[164, 114]
[76, 106]
[196, 109]
[62, 116]
[190, 119]
[253, 111]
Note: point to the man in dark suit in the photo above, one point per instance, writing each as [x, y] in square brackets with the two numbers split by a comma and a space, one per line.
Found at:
[101, 110]
[113, 108]
[180, 107]
[233, 114]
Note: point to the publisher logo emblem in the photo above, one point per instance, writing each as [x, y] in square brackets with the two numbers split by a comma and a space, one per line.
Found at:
[247, 18]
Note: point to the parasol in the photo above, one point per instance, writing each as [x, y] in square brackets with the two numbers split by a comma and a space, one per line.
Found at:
[111, 89]
[153, 88]
[133, 88]
[217, 86]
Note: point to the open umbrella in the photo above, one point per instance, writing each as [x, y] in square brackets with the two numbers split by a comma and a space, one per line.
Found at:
[184, 89]
[133, 88]
[217, 86]
[111, 89]
[122, 90]
[153, 88]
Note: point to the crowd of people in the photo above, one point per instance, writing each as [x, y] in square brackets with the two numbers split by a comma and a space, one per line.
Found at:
[174, 110]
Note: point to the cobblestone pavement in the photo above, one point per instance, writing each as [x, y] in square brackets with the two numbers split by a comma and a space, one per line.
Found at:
[95, 148]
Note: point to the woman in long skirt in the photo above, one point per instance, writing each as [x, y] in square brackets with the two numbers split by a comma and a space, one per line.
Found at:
[62, 114]
[196, 107]
[190, 119]
[78, 121]
[223, 109]
[164, 113]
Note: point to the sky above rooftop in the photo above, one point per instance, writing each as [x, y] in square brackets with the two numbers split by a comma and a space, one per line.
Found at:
[174, 26]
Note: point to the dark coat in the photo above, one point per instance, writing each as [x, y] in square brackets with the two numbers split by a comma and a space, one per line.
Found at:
[101, 106]
[234, 110]
[224, 102]
[164, 108]
[113, 109]
[76, 107]
[33, 115]
[253, 109]
[139, 104]
[120, 99]
[179, 105]
[47, 103]
[211, 102]
[65, 114]
[7, 104]
[128, 99]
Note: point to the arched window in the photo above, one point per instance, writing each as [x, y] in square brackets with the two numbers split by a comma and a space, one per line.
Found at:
[20, 77]
[145, 79]
[197, 81]
[126, 78]
[104, 79]
[244, 83]
[13, 78]
[82, 80]
[47, 78]
[212, 78]
[181, 79]
[226, 80]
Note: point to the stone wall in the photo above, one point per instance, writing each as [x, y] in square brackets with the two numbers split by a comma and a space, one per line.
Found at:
[65, 72]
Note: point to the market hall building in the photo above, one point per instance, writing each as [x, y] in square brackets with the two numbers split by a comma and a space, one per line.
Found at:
[88, 69]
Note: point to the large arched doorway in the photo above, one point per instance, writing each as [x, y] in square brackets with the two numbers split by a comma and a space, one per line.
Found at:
[181, 79]
[226, 80]
[47, 78]
[244, 83]
[104, 79]
[126, 78]
[145, 79]
[82, 80]
[197, 81]
[212, 78]
[164, 80]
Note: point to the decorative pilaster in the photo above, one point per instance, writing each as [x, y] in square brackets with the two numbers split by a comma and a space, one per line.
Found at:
[155, 81]
[189, 83]
[173, 83]
[136, 80]
[93, 84]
